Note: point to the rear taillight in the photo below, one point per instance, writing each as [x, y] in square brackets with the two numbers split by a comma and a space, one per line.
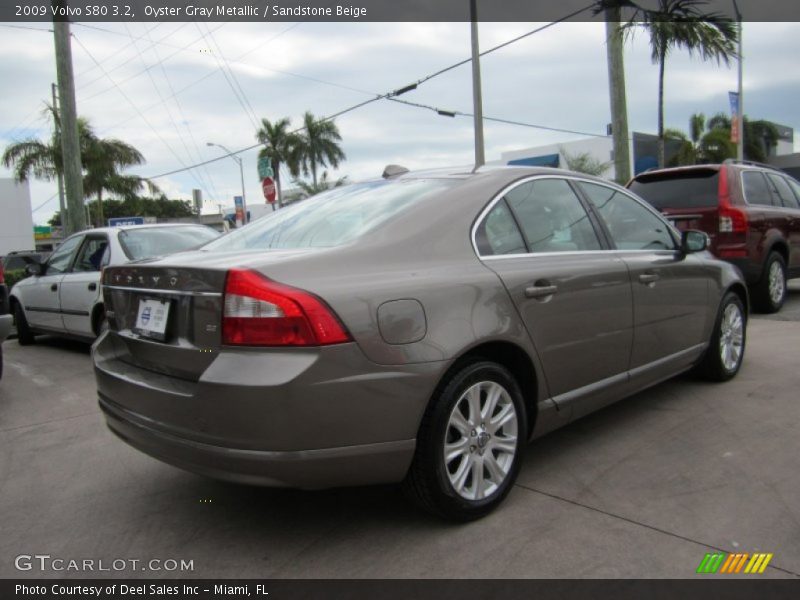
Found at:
[261, 312]
[731, 220]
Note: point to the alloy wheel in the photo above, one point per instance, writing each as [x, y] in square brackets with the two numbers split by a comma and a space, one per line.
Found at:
[481, 440]
[731, 339]
[777, 283]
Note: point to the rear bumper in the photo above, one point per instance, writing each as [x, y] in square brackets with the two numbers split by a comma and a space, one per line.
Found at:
[3, 298]
[307, 469]
[307, 418]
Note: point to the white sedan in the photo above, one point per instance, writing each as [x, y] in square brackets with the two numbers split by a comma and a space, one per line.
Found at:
[62, 296]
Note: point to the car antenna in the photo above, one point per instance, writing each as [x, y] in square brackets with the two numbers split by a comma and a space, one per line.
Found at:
[393, 171]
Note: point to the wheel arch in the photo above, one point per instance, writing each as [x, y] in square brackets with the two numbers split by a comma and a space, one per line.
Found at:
[512, 357]
[740, 290]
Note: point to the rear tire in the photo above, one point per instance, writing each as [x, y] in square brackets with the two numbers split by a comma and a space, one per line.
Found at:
[769, 293]
[24, 334]
[725, 351]
[470, 443]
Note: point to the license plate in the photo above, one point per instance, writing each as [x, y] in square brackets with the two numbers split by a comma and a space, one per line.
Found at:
[151, 320]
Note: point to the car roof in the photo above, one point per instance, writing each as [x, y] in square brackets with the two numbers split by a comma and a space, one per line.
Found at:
[145, 226]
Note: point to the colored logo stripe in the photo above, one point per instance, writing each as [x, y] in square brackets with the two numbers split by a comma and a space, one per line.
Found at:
[734, 563]
[711, 563]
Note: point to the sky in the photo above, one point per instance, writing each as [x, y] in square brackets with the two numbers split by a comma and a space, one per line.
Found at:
[170, 88]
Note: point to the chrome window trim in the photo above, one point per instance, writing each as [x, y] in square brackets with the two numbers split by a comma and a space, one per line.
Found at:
[612, 186]
[161, 291]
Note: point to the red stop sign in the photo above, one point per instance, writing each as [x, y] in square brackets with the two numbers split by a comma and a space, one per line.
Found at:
[268, 185]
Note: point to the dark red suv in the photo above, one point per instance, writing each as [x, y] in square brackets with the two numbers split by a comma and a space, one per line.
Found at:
[751, 212]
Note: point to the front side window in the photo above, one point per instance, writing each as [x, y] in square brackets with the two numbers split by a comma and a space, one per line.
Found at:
[552, 217]
[756, 190]
[62, 257]
[631, 225]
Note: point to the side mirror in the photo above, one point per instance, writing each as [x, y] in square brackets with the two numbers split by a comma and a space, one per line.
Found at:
[33, 269]
[693, 240]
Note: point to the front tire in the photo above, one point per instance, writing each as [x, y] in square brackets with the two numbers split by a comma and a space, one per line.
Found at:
[470, 443]
[769, 293]
[24, 333]
[725, 351]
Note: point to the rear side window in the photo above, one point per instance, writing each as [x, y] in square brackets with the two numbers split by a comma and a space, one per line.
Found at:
[795, 188]
[756, 190]
[783, 191]
[552, 217]
[689, 189]
[498, 233]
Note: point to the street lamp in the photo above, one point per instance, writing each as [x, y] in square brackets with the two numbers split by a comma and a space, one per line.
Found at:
[241, 173]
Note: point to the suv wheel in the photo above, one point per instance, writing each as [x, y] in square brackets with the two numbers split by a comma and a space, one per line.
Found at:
[470, 443]
[770, 293]
[725, 351]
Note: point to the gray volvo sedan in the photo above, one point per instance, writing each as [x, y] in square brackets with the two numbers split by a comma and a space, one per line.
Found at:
[419, 328]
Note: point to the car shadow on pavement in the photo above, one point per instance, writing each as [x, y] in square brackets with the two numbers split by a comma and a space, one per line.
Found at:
[65, 344]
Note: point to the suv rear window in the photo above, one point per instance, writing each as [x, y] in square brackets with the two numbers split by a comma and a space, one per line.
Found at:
[686, 189]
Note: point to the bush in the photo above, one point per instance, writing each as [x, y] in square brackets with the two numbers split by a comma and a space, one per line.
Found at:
[14, 276]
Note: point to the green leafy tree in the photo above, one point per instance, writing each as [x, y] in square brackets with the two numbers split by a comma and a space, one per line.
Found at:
[281, 146]
[102, 160]
[760, 136]
[138, 206]
[680, 24]
[583, 162]
[319, 146]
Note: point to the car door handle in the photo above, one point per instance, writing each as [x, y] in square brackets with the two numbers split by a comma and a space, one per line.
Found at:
[648, 278]
[92, 287]
[540, 291]
[54, 287]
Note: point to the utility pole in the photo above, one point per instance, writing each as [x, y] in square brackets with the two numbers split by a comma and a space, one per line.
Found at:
[70, 145]
[616, 91]
[62, 208]
[740, 115]
[477, 100]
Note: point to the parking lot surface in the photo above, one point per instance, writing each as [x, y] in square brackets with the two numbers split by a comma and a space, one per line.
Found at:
[644, 488]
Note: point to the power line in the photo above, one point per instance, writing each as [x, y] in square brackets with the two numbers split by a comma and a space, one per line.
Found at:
[392, 95]
[182, 115]
[43, 204]
[25, 27]
[136, 108]
[169, 114]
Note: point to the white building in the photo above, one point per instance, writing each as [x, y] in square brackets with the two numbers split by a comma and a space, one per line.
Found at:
[16, 221]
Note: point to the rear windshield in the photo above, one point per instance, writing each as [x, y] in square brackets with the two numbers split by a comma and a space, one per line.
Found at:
[332, 218]
[160, 241]
[689, 189]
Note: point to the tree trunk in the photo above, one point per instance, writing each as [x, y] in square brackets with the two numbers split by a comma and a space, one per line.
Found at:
[100, 207]
[661, 150]
[616, 83]
[314, 172]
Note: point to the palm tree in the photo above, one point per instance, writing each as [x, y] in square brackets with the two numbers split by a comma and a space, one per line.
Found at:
[101, 158]
[280, 146]
[583, 162]
[312, 189]
[319, 146]
[681, 24]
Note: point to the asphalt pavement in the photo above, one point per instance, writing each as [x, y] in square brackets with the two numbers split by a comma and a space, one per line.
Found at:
[644, 488]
